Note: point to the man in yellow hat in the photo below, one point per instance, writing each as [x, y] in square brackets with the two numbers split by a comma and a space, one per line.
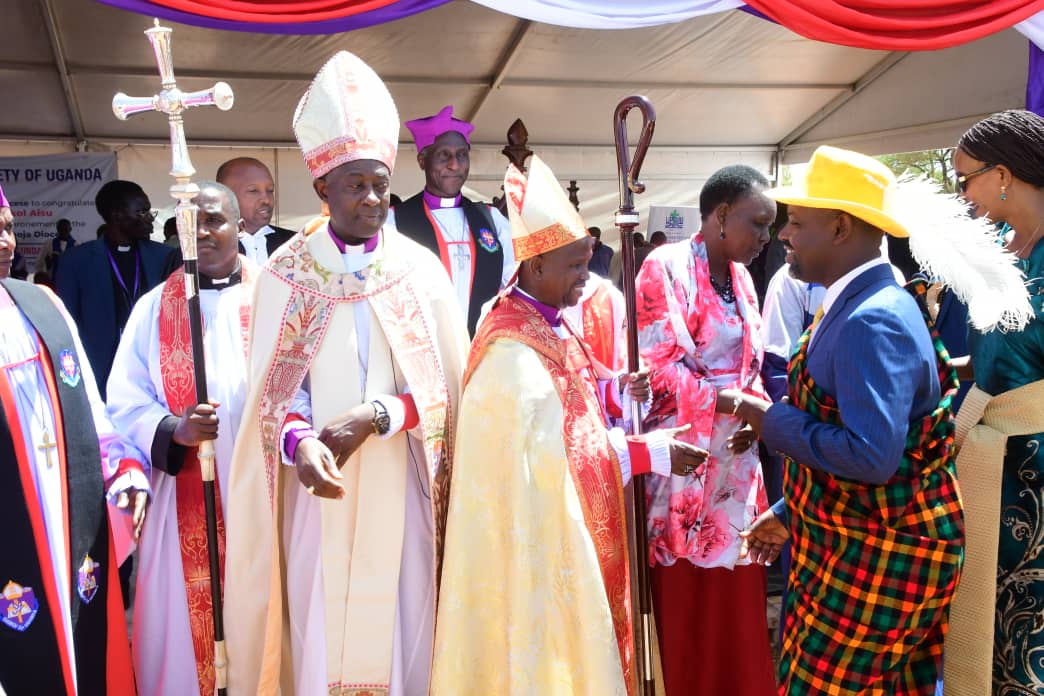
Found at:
[870, 493]
[535, 594]
[341, 468]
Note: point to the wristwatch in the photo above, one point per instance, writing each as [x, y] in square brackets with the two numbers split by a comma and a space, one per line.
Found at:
[381, 419]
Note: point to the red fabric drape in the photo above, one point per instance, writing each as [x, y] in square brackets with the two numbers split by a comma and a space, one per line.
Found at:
[897, 25]
[276, 12]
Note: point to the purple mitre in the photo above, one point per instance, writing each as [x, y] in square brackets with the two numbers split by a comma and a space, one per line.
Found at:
[426, 130]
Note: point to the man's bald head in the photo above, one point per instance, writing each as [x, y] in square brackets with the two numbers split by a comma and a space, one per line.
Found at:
[254, 188]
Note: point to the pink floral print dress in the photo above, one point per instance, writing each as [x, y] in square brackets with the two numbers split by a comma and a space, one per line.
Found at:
[695, 344]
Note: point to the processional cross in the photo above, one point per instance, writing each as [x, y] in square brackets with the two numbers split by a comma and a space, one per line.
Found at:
[173, 102]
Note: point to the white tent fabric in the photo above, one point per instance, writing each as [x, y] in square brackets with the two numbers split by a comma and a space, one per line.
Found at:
[621, 14]
[727, 86]
[632, 14]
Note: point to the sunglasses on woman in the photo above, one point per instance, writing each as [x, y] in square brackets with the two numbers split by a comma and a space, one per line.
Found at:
[962, 179]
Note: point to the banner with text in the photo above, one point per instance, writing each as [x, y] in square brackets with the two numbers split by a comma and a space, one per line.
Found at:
[678, 222]
[45, 189]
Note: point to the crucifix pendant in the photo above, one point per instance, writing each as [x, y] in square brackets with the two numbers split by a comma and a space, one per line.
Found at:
[463, 260]
[48, 447]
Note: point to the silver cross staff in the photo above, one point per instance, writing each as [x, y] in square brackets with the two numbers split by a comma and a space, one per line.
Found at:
[172, 101]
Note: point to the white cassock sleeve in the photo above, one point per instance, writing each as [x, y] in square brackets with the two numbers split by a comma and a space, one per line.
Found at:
[655, 443]
[784, 315]
[134, 406]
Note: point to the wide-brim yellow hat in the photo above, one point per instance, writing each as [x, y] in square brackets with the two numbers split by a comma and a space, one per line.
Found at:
[839, 179]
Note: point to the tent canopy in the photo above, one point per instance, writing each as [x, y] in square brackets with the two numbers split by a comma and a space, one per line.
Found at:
[728, 87]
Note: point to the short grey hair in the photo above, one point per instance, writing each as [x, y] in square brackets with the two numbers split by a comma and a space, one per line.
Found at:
[233, 202]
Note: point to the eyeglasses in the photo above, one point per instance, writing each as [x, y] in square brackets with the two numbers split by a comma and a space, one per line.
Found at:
[962, 179]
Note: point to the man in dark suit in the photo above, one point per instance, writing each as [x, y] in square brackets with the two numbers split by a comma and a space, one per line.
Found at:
[99, 281]
[254, 187]
[871, 504]
[601, 255]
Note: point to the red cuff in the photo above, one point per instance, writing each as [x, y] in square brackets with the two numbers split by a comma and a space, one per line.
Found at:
[641, 462]
[293, 418]
[612, 401]
[410, 408]
[124, 466]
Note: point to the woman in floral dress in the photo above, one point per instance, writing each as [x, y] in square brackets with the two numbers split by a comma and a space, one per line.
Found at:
[699, 333]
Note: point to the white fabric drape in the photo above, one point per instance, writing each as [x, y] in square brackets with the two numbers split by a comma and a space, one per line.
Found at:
[619, 14]
[1033, 29]
[631, 14]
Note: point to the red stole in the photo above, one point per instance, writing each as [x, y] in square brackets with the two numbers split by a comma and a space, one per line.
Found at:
[444, 248]
[599, 327]
[179, 389]
[592, 461]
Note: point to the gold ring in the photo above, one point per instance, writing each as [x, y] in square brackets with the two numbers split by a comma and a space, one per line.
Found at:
[311, 490]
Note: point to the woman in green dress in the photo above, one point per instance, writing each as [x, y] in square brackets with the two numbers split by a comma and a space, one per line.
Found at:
[1000, 170]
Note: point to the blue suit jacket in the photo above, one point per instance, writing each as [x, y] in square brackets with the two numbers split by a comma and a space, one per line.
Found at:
[874, 355]
[952, 325]
[84, 284]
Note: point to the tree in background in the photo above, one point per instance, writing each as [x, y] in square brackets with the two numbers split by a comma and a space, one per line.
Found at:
[935, 164]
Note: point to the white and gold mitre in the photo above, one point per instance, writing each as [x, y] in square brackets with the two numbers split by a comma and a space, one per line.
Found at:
[347, 114]
[542, 218]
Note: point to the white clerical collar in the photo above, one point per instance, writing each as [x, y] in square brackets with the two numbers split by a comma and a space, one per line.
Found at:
[219, 284]
[355, 259]
[261, 232]
[839, 285]
[355, 256]
[436, 202]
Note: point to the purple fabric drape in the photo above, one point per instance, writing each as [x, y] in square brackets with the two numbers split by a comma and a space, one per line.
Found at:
[1035, 80]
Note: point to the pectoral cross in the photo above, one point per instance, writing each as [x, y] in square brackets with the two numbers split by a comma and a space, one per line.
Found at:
[463, 259]
[47, 446]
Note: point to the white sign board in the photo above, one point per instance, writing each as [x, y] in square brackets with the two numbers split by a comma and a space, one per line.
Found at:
[678, 222]
[44, 189]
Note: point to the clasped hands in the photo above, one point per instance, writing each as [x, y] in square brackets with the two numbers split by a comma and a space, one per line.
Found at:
[319, 461]
[750, 409]
[763, 539]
